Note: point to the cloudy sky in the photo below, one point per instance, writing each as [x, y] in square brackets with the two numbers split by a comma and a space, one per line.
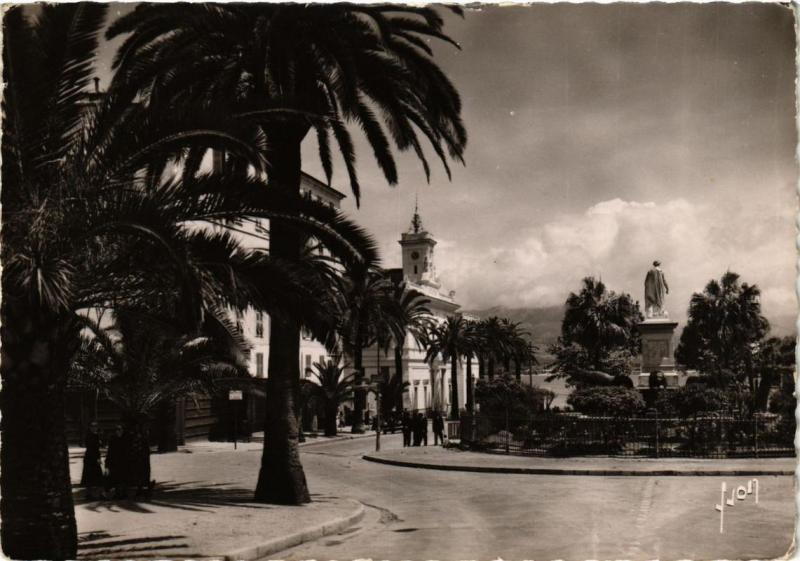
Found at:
[603, 137]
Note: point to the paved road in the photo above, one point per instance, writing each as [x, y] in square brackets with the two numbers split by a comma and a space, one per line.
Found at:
[425, 514]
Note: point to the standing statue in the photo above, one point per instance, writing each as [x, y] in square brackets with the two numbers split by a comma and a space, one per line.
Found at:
[655, 288]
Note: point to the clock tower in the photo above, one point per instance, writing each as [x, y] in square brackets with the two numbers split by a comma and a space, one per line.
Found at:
[418, 246]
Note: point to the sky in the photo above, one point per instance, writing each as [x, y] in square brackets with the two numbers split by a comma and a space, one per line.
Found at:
[602, 137]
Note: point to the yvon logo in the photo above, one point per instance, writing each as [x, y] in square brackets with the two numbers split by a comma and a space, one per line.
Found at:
[740, 493]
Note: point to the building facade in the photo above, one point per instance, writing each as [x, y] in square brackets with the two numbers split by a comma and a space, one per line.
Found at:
[429, 385]
[255, 325]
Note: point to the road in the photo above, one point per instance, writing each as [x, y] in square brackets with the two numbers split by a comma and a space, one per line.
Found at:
[427, 514]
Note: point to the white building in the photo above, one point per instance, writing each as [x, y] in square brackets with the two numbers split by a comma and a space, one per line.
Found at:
[255, 325]
[429, 385]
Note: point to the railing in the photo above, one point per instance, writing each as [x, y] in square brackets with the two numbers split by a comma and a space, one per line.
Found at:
[576, 435]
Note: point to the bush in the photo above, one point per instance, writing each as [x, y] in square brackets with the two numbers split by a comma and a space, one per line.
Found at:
[607, 401]
[505, 393]
[691, 400]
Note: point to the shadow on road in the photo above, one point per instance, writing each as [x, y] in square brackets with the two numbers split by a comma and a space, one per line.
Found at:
[102, 545]
[191, 496]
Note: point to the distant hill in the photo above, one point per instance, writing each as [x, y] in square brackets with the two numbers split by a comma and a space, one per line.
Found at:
[544, 324]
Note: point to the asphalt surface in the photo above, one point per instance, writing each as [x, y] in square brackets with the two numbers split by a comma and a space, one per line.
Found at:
[421, 514]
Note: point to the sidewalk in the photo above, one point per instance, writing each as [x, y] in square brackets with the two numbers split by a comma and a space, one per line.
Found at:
[319, 438]
[453, 459]
[202, 507]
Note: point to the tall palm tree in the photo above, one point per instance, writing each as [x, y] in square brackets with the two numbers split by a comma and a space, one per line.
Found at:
[495, 343]
[413, 318]
[285, 70]
[91, 220]
[333, 387]
[450, 339]
[367, 311]
[472, 349]
[517, 347]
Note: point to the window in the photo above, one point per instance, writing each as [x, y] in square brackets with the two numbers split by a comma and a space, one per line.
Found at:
[260, 365]
[308, 366]
[415, 269]
[260, 325]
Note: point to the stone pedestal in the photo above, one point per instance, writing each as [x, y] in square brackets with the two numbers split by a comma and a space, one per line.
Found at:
[657, 351]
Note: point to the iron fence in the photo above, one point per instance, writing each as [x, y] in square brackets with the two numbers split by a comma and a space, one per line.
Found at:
[577, 435]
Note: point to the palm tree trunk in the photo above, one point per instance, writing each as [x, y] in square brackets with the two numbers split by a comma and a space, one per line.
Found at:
[470, 390]
[360, 396]
[454, 409]
[481, 366]
[281, 479]
[517, 369]
[36, 507]
[331, 417]
[398, 366]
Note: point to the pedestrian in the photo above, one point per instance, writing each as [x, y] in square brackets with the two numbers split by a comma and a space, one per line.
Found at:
[117, 463]
[406, 425]
[92, 474]
[139, 468]
[423, 427]
[438, 429]
[415, 429]
[341, 419]
[366, 418]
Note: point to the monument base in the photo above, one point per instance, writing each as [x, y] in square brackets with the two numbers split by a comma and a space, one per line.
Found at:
[657, 347]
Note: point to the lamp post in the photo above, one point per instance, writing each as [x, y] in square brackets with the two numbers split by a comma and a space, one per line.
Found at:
[375, 387]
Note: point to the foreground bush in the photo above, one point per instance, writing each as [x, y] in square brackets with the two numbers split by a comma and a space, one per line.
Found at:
[607, 401]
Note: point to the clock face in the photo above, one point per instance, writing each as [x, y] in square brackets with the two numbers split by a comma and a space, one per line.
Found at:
[414, 255]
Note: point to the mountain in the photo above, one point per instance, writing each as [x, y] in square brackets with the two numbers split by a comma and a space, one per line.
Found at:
[544, 324]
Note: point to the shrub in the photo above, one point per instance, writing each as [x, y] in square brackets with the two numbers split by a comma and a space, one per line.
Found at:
[611, 401]
[692, 400]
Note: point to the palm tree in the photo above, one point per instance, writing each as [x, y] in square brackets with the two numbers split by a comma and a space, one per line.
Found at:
[367, 311]
[450, 340]
[91, 220]
[472, 349]
[413, 318]
[516, 347]
[599, 320]
[144, 360]
[724, 321]
[333, 387]
[283, 70]
[494, 343]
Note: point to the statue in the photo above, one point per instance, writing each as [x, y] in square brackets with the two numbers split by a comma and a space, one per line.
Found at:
[655, 288]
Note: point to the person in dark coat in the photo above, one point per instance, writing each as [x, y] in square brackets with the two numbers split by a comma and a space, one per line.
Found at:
[438, 429]
[423, 428]
[92, 475]
[139, 467]
[117, 462]
[415, 432]
[406, 429]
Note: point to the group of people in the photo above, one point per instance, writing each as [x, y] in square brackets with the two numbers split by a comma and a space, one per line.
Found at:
[415, 429]
[127, 464]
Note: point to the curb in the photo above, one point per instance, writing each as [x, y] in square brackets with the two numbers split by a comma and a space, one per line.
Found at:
[331, 440]
[292, 540]
[558, 471]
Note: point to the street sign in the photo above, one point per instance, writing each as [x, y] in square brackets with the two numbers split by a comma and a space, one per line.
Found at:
[235, 395]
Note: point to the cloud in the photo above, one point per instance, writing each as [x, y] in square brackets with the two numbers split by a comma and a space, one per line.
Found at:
[617, 241]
